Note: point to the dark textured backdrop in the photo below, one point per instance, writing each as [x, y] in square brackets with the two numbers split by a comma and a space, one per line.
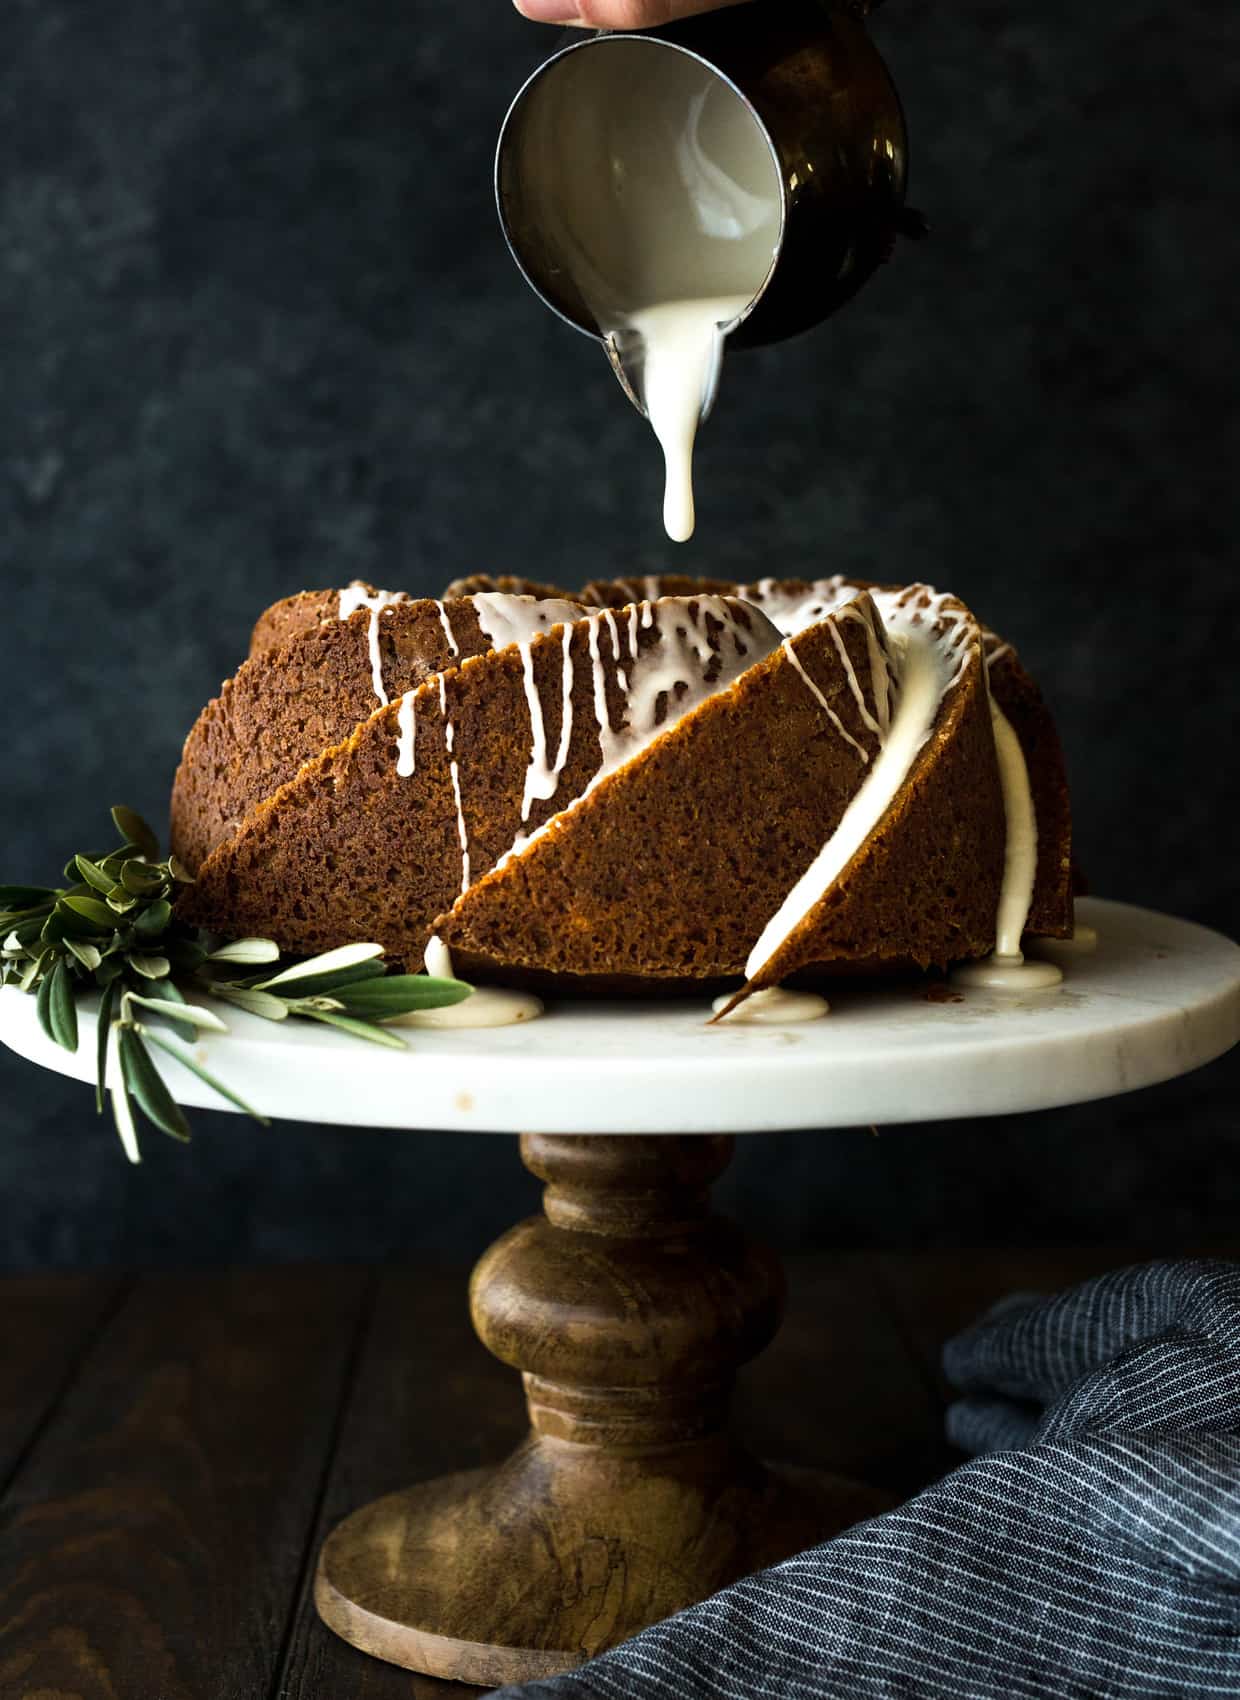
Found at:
[259, 331]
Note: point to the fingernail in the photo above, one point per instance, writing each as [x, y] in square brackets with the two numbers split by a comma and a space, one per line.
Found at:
[548, 11]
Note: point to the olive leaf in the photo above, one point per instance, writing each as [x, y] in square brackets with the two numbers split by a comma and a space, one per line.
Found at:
[359, 1029]
[184, 1014]
[114, 930]
[135, 830]
[145, 1085]
[207, 1078]
[332, 962]
[397, 994]
[14, 897]
[249, 951]
[122, 1115]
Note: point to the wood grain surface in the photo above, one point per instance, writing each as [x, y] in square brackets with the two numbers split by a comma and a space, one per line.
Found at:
[178, 1446]
[628, 1305]
[154, 1540]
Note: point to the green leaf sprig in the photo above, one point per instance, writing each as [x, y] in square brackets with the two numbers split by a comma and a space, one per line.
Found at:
[114, 930]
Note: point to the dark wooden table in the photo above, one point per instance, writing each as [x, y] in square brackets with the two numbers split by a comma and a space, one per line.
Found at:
[174, 1447]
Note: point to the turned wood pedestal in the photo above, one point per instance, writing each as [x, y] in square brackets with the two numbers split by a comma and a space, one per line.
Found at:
[628, 1307]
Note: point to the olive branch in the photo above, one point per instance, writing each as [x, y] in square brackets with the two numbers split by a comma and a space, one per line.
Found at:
[114, 930]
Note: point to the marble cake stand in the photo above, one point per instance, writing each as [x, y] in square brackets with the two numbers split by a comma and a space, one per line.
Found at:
[628, 1306]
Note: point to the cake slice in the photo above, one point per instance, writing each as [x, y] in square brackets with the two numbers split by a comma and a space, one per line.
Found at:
[309, 609]
[377, 836]
[292, 700]
[672, 869]
[793, 604]
[917, 868]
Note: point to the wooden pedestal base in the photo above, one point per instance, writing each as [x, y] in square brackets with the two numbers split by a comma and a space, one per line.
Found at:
[628, 1307]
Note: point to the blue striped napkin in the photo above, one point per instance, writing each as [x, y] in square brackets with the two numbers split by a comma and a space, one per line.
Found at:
[1091, 1548]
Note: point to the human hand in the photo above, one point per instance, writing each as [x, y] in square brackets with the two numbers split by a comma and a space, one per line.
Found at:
[615, 14]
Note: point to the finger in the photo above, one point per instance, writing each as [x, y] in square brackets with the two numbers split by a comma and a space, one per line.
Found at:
[616, 14]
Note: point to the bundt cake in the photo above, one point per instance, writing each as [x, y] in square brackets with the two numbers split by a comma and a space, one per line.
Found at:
[645, 785]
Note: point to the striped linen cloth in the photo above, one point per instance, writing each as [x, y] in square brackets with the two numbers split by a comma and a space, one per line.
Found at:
[1091, 1548]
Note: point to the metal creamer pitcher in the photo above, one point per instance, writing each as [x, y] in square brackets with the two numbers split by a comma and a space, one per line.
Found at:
[818, 90]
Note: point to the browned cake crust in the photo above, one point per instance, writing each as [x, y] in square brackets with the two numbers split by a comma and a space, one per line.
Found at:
[350, 849]
[508, 584]
[286, 620]
[288, 704]
[673, 866]
[924, 888]
[620, 592]
[1015, 692]
[289, 805]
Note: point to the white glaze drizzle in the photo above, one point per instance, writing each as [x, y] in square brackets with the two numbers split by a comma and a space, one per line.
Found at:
[1006, 974]
[1020, 857]
[542, 778]
[448, 633]
[653, 677]
[850, 673]
[822, 701]
[682, 343]
[774, 1006]
[792, 610]
[1005, 969]
[648, 588]
[449, 734]
[517, 619]
[929, 642]
[879, 659]
[407, 727]
[358, 596]
[486, 1006]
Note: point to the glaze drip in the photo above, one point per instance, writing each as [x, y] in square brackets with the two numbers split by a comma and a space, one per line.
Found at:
[1020, 860]
[519, 620]
[516, 619]
[792, 609]
[1012, 975]
[449, 735]
[486, 1006]
[542, 777]
[448, 633]
[701, 645]
[928, 642]
[407, 729]
[821, 700]
[358, 596]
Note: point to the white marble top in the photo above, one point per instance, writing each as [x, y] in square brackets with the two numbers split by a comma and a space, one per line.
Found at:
[1158, 998]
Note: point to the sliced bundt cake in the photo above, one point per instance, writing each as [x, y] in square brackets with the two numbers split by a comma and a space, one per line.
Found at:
[376, 837]
[653, 781]
[298, 696]
[673, 867]
[793, 604]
